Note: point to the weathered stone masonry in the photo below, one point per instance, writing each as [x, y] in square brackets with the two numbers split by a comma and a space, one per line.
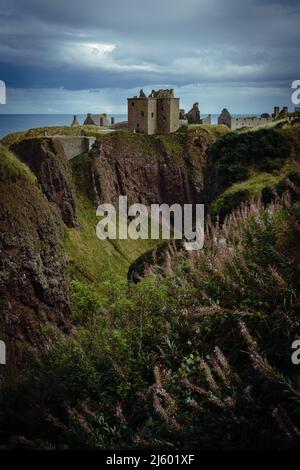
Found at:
[157, 113]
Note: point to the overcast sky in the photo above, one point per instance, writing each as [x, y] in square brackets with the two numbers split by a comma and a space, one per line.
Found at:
[63, 56]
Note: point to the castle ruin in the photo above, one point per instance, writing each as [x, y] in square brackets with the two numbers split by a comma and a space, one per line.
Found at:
[96, 120]
[234, 123]
[156, 113]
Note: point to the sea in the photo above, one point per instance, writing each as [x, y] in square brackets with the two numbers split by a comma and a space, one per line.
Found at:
[21, 122]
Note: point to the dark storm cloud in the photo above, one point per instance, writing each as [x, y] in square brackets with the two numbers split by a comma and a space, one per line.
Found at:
[125, 44]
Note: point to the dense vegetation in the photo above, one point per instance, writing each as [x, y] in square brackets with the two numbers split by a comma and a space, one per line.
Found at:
[200, 358]
[244, 164]
[236, 154]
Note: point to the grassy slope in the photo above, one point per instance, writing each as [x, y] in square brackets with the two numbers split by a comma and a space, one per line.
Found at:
[11, 168]
[257, 181]
[50, 131]
[92, 260]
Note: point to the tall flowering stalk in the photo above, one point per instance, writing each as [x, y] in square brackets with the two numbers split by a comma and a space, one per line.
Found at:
[262, 365]
[163, 403]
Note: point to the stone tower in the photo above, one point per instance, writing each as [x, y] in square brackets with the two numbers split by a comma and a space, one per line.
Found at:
[157, 113]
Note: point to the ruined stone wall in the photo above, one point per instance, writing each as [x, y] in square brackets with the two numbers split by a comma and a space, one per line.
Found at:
[174, 113]
[138, 114]
[75, 145]
[225, 118]
[167, 115]
[233, 123]
[206, 120]
[152, 115]
[236, 123]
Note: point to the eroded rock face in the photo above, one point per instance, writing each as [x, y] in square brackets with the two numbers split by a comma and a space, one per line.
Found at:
[46, 158]
[34, 284]
[147, 169]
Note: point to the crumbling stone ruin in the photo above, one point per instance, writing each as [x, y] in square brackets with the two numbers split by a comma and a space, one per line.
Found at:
[96, 120]
[225, 118]
[89, 120]
[233, 123]
[75, 122]
[157, 113]
[193, 115]
[182, 115]
[286, 114]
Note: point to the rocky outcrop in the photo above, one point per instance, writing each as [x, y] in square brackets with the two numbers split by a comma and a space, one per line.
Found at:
[34, 284]
[46, 158]
[148, 169]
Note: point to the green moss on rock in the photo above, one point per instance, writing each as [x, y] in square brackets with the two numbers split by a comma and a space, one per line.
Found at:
[11, 168]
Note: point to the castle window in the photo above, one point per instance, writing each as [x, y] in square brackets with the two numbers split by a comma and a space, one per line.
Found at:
[142, 113]
[132, 102]
[164, 118]
[137, 125]
[152, 114]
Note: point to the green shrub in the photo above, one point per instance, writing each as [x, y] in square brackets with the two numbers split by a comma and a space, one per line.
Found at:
[233, 155]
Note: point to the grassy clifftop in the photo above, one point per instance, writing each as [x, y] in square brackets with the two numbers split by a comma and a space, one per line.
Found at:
[51, 131]
[11, 168]
[244, 165]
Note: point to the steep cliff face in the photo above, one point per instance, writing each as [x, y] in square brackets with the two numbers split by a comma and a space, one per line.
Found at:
[149, 169]
[46, 158]
[34, 283]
